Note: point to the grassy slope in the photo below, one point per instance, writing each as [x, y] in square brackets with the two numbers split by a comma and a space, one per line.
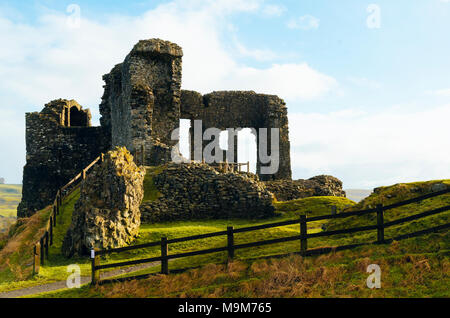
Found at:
[417, 267]
[396, 193]
[55, 270]
[10, 196]
[16, 254]
[410, 268]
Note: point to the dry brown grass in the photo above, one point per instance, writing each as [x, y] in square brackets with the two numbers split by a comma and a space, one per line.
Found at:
[16, 256]
[331, 275]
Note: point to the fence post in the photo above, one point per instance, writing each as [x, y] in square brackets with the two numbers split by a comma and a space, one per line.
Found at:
[303, 233]
[380, 224]
[164, 253]
[59, 199]
[248, 166]
[36, 258]
[230, 236]
[95, 261]
[55, 212]
[51, 230]
[46, 244]
[83, 174]
[41, 250]
[142, 155]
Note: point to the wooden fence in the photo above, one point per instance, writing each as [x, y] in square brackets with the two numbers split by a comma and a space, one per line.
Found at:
[40, 249]
[302, 238]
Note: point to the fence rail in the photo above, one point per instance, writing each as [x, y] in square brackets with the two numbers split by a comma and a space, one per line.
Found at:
[41, 248]
[302, 238]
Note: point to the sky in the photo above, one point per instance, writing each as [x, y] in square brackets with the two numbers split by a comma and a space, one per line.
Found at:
[366, 83]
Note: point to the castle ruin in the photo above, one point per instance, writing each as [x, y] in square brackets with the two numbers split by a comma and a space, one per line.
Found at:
[141, 106]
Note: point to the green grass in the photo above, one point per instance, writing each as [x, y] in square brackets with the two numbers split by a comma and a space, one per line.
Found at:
[410, 268]
[397, 193]
[16, 254]
[10, 196]
[55, 269]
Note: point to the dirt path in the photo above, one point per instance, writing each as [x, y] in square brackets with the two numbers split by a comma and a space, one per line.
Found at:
[62, 284]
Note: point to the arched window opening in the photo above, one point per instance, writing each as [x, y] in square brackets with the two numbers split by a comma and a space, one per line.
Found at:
[78, 118]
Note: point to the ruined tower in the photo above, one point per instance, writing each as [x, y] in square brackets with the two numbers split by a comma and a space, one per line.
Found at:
[141, 104]
[141, 107]
[60, 143]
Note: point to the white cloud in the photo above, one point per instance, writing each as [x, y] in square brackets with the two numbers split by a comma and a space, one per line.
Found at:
[372, 149]
[289, 81]
[256, 54]
[50, 60]
[365, 82]
[440, 92]
[273, 10]
[306, 22]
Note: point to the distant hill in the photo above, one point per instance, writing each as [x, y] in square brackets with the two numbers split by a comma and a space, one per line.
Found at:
[357, 194]
[10, 196]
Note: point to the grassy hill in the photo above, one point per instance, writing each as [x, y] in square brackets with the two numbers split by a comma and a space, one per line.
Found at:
[414, 267]
[10, 196]
[15, 258]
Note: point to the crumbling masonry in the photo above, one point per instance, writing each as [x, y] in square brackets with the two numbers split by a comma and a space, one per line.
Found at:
[141, 106]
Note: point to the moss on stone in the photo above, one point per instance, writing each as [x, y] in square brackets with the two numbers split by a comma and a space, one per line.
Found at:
[151, 193]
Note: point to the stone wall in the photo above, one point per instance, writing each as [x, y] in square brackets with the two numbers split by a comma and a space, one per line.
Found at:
[286, 190]
[141, 104]
[241, 109]
[198, 191]
[57, 150]
[107, 214]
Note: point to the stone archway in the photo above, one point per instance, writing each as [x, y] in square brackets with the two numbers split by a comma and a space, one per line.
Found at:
[78, 118]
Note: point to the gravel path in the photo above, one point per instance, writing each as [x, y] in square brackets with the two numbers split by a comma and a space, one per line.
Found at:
[62, 284]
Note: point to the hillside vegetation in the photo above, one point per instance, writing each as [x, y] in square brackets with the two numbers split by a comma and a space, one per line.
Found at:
[414, 267]
[10, 196]
[55, 269]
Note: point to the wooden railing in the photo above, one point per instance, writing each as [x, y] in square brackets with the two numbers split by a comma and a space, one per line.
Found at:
[225, 166]
[231, 166]
[40, 249]
[302, 238]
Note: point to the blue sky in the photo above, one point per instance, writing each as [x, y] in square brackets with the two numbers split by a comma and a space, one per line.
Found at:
[368, 105]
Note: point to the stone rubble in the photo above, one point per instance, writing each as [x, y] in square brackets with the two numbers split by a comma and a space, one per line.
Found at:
[198, 191]
[107, 214]
[286, 190]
